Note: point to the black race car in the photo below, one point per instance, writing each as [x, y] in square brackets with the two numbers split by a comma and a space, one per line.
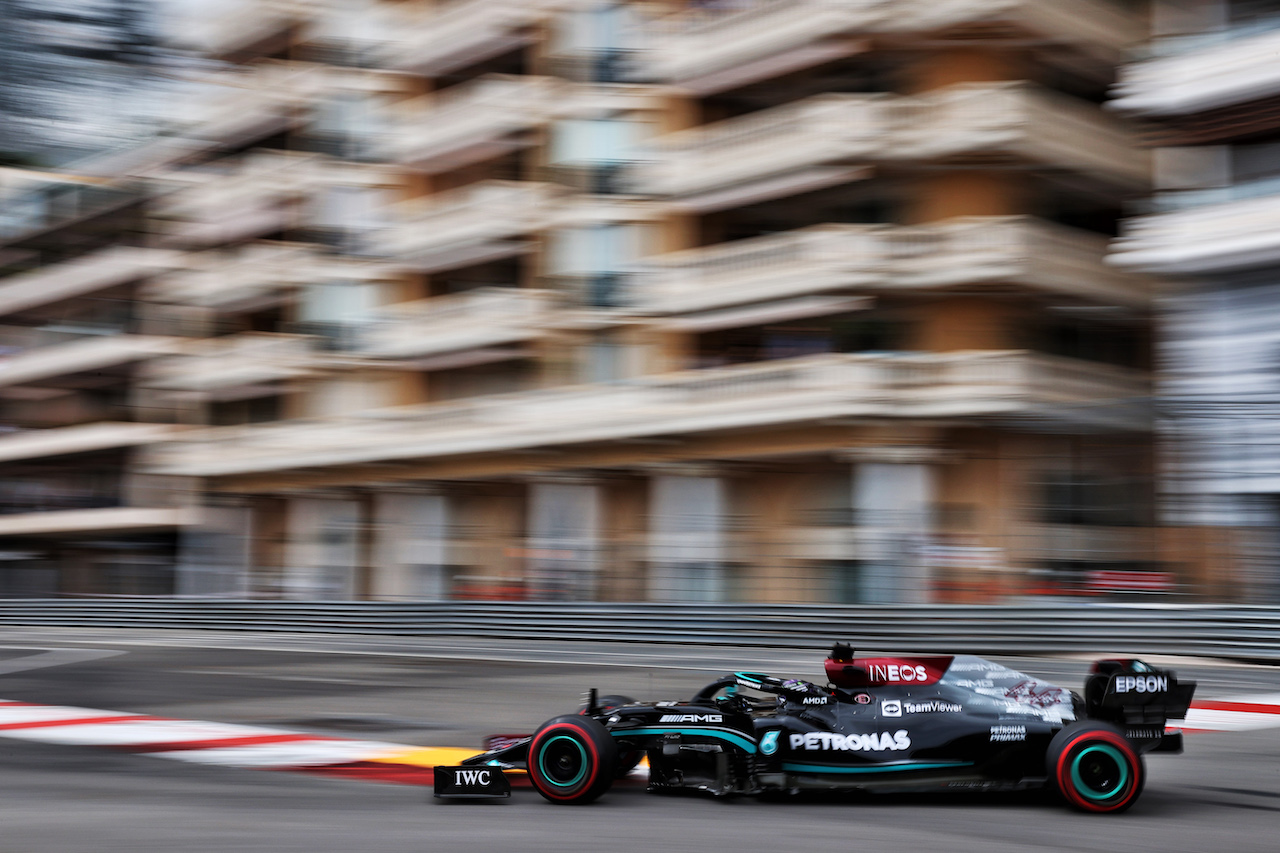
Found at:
[882, 723]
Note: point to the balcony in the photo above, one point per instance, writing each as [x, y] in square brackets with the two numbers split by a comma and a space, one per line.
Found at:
[833, 138]
[1102, 29]
[116, 519]
[240, 25]
[259, 198]
[1232, 71]
[87, 274]
[792, 148]
[41, 443]
[476, 223]
[255, 272]
[982, 123]
[218, 365]
[707, 50]
[252, 103]
[482, 318]
[1010, 388]
[883, 258]
[475, 121]
[464, 32]
[1013, 250]
[797, 263]
[1208, 239]
[81, 356]
[90, 492]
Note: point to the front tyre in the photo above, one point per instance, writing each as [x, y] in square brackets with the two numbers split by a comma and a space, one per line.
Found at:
[1095, 767]
[572, 760]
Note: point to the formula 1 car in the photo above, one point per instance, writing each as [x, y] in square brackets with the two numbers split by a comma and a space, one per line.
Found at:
[881, 724]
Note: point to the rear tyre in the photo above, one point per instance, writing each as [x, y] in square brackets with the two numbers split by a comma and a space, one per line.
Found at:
[572, 760]
[1095, 767]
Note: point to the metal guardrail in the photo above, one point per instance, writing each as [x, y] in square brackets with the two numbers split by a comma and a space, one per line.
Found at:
[1242, 632]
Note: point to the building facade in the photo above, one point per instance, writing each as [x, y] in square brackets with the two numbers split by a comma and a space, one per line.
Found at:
[77, 512]
[1208, 97]
[794, 302]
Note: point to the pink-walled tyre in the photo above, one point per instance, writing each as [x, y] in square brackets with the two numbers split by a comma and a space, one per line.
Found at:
[1095, 767]
[572, 760]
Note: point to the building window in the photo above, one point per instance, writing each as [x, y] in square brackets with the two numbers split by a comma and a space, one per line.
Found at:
[592, 260]
[592, 154]
[594, 43]
[1095, 500]
[336, 312]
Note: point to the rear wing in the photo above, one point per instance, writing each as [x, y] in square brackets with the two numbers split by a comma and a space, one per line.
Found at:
[1131, 692]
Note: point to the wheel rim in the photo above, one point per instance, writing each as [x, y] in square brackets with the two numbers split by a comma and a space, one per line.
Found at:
[563, 761]
[1100, 772]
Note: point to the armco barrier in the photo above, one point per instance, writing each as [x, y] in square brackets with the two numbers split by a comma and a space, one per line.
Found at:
[1242, 632]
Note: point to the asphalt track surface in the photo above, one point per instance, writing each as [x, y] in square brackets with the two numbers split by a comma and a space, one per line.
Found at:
[1223, 794]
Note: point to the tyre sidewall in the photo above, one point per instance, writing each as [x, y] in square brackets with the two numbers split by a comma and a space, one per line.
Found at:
[1071, 742]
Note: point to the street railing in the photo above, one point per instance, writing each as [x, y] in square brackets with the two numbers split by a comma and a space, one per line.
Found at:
[1228, 631]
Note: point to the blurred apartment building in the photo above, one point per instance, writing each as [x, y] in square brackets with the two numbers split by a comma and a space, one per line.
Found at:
[76, 513]
[1210, 98]
[798, 301]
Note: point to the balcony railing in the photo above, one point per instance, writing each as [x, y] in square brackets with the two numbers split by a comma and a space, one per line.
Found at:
[474, 121]
[260, 175]
[1238, 71]
[253, 103]
[489, 316]
[98, 271]
[255, 199]
[1204, 239]
[808, 260]
[102, 520]
[464, 32]
[39, 443]
[249, 358]
[239, 24]
[1021, 122]
[708, 49]
[217, 279]
[1012, 249]
[81, 356]
[1104, 28]
[478, 222]
[971, 122]
[1171, 200]
[872, 258]
[825, 129]
[257, 271]
[712, 48]
[983, 386]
